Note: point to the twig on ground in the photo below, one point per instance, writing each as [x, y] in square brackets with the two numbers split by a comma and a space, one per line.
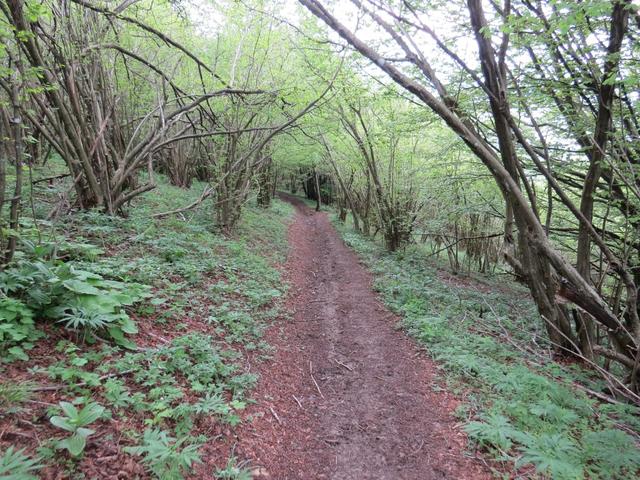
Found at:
[344, 365]
[417, 450]
[275, 415]
[297, 401]
[314, 380]
[158, 337]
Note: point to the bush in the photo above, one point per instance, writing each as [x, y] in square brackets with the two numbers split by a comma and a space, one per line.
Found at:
[81, 300]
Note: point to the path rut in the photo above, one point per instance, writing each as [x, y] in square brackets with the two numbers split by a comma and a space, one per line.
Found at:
[347, 395]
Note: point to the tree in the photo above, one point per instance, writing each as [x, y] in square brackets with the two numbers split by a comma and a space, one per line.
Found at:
[510, 145]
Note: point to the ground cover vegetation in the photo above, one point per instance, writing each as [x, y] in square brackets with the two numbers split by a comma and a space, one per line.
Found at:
[143, 142]
[533, 415]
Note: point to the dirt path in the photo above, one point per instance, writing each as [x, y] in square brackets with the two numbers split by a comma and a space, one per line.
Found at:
[347, 396]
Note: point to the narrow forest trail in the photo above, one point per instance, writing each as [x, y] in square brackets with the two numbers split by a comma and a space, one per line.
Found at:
[347, 396]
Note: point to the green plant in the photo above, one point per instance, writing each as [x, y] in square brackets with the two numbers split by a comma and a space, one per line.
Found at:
[119, 395]
[555, 455]
[81, 300]
[531, 412]
[17, 329]
[495, 431]
[75, 421]
[72, 368]
[234, 471]
[12, 395]
[611, 453]
[15, 465]
[165, 457]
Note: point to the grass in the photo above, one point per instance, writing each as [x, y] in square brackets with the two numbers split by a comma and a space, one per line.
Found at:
[181, 380]
[520, 407]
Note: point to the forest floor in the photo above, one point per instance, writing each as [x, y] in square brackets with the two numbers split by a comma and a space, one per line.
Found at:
[293, 349]
[348, 395]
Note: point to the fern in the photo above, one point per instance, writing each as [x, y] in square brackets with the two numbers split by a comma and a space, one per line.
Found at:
[554, 413]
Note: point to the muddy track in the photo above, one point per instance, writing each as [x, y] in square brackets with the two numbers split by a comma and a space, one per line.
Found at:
[348, 396]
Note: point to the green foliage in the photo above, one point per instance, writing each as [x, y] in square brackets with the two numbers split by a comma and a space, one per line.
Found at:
[494, 431]
[12, 395]
[74, 421]
[15, 465]
[17, 329]
[79, 299]
[207, 373]
[524, 415]
[614, 453]
[554, 454]
[234, 471]
[227, 288]
[165, 457]
[75, 367]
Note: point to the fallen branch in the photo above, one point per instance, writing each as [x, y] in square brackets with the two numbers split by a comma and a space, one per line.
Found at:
[205, 194]
[55, 177]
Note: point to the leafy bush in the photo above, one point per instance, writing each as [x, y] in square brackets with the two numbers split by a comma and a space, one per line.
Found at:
[17, 329]
[81, 300]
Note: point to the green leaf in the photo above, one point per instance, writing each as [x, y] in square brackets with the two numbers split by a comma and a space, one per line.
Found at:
[78, 286]
[15, 465]
[118, 335]
[128, 326]
[85, 432]
[69, 409]
[90, 413]
[18, 352]
[74, 444]
[63, 423]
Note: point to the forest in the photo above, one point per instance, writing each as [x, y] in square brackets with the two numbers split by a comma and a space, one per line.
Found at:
[280, 239]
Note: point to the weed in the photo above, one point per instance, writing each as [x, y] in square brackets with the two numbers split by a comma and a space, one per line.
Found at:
[75, 421]
[164, 456]
[234, 471]
[12, 395]
[15, 465]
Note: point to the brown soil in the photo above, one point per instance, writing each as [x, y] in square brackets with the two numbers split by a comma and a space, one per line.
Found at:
[347, 395]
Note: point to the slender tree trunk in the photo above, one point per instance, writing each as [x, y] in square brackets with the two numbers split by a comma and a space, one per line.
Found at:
[14, 211]
[317, 184]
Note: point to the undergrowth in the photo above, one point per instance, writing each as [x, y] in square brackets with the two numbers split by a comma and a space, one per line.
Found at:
[523, 409]
[129, 335]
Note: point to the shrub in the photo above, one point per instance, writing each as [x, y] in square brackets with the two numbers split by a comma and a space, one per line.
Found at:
[81, 300]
